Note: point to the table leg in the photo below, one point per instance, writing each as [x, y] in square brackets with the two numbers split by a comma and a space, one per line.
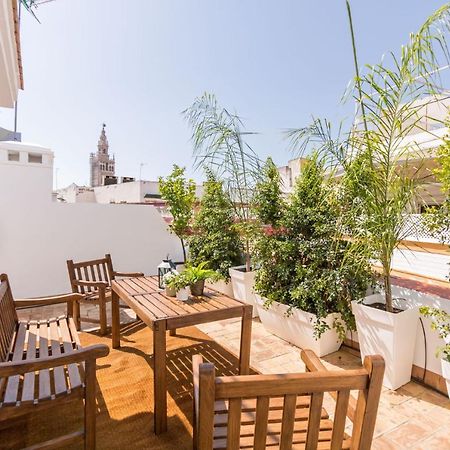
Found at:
[159, 377]
[115, 325]
[246, 339]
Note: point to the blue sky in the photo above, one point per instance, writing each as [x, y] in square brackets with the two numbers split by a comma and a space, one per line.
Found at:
[135, 65]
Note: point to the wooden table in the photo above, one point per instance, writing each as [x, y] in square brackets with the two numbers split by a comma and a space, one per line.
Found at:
[162, 313]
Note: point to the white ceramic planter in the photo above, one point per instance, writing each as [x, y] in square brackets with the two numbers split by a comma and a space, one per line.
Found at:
[243, 283]
[298, 327]
[183, 294]
[222, 286]
[445, 365]
[393, 336]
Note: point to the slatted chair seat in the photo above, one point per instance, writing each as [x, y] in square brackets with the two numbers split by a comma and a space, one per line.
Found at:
[35, 340]
[42, 364]
[93, 279]
[285, 411]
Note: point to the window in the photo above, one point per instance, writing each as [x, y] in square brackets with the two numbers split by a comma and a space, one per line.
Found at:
[35, 158]
[13, 155]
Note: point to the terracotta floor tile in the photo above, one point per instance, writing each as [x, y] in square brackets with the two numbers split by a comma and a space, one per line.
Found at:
[410, 433]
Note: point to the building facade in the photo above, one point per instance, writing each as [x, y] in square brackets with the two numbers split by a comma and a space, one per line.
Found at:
[101, 164]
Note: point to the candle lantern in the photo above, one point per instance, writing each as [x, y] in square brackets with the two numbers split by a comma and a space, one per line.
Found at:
[166, 266]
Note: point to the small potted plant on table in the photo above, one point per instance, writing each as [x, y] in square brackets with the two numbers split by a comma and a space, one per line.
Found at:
[196, 276]
[179, 283]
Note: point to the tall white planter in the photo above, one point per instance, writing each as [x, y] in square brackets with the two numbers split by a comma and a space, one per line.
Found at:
[243, 284]
[446, 374]
[298, 327]
[222, 286]
[393, 336]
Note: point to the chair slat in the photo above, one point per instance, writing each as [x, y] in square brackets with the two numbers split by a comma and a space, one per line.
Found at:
[234, 424]
[12, 386]
[44, 375]
[72, 369]
[28, 387]
[314, 420]
[288, 422]
[58, 372]
[340, 414]
[262, 415]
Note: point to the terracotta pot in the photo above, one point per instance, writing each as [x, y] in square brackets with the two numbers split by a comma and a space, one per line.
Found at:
[198, 288]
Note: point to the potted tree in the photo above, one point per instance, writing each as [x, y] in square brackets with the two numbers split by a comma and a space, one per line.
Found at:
[219, 146]
[306, 278]
[179, 193]
[214, 238]
[382, 166]
[440, 322]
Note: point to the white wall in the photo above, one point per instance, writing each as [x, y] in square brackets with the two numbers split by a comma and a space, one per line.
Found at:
[37, 235]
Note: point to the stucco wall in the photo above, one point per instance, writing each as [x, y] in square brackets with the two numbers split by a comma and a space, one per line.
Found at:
[37, 235]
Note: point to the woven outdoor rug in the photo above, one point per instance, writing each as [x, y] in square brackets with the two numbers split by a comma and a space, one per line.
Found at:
[125, 394]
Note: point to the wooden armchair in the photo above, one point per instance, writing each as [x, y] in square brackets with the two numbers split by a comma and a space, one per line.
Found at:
[42, 365]
[92, 279]
[285, 411]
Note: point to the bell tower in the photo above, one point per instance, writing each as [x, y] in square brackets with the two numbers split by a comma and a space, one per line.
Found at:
[101, 164]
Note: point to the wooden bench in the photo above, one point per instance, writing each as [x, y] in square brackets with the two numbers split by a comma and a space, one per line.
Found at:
[42, 365]
[285, 411]
[93, 279]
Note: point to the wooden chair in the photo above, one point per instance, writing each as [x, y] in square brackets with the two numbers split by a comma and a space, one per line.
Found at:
[42, 365]
[93, 279]
[285, 411]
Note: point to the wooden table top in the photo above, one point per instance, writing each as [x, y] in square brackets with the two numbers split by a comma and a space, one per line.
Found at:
[152, 304]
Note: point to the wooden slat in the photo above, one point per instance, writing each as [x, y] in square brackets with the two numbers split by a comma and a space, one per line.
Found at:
[28, 387]
[262, 414]
[72, 369]
[314, 420]
[340, 415]
[58, 372]
[44, 375]
[59, 442]
[287, 427]
[12, 386]
[234, 424]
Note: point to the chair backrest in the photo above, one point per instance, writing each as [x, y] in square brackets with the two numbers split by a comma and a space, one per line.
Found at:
[8, 317]
[92, 270]
[285, 411]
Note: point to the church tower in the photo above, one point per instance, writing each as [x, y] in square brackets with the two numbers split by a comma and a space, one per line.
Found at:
[101, 164]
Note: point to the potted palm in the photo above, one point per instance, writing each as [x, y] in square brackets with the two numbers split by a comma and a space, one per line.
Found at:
[214, 237]
[219, 146]
[440, 322]
[383, 174]
[306, 279]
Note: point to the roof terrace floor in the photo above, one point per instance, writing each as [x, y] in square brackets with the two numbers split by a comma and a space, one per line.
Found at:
[413, 417]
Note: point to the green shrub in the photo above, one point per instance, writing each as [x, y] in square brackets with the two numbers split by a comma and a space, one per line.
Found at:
[304, 262]
[215, 238]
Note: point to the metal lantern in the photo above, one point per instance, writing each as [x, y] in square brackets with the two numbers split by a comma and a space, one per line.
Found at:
[165, 267]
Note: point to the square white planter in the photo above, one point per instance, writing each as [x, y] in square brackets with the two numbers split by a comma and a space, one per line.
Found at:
[243, 284]
[446, 374]
[222, 286]
[298, 327]
[393, 336]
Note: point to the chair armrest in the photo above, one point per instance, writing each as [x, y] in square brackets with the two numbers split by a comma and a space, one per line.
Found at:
[97, 284]
[11, 368]
[128, 274]
[43, 301]
[312, 362]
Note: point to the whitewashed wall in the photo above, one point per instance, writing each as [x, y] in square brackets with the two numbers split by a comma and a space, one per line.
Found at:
[37, 235]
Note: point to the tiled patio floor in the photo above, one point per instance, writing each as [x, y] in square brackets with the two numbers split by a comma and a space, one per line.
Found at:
[413, 417]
